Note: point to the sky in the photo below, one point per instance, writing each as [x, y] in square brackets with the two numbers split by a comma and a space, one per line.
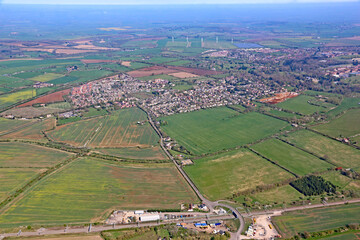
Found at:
[165, 2]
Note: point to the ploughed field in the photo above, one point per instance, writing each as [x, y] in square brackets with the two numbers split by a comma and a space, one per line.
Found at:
[89, 189]
[216, 129]
[123, 128]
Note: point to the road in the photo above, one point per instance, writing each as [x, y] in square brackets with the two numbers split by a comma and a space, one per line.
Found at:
[109, 227]
[210, 204]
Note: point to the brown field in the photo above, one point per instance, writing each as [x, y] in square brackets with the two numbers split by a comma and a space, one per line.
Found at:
[126, 63]
[279, 97]
[73, 51]
[154, 70]
[97, 61]
[52, 97]
[183, 75]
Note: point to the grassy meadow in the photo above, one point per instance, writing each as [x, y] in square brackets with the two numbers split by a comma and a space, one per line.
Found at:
[217, 129]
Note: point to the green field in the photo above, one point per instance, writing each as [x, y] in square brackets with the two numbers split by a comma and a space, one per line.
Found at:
[13, 178]
[291, 158]
[88, 189]
[119, 129]
[218, 177]
[300, 104]
[318, 219]
[221, 128]
[15, 154]
[346, 125]
[335, 152]
[46, 77]
[151, 153]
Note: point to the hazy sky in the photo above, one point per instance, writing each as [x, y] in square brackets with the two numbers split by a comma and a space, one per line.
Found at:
[107, 2]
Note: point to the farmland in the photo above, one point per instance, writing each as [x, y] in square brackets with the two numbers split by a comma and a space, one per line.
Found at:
[221, 128]
[33, 132]
[88, 189]
[317, 219]
[300, 104]
[119, 129]
[293, 159]
[7, 125]
[218, 177]
[346, 125]
[331, 150]
[13, 178]
[25, 155]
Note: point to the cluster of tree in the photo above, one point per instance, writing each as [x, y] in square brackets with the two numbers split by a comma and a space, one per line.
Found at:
[313, 185]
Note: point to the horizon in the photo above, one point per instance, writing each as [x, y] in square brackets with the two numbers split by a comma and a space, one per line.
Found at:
[178, 2]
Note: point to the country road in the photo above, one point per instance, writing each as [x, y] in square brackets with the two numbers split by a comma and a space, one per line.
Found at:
[109, 227]
[210, 204]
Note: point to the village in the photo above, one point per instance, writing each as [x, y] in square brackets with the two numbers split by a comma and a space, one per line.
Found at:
[161, 99]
